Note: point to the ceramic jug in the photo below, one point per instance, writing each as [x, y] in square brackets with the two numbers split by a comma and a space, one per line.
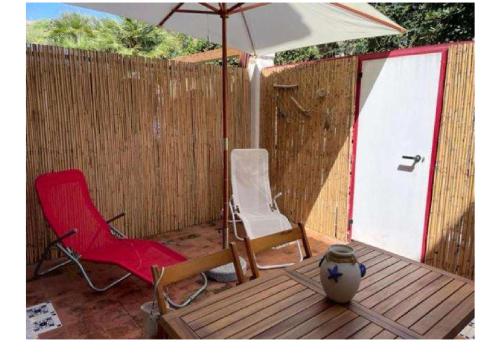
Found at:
[340, 273]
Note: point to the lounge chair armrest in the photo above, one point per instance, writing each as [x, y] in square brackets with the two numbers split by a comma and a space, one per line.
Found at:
[117, 233]
[121, 215]
[64, 236]
[275, 205]
[67, 234]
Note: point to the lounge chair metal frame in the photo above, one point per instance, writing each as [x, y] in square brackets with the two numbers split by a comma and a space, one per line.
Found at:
[75, 258]
[189, 299]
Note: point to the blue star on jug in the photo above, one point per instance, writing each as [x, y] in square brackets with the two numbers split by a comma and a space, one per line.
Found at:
[333, 273]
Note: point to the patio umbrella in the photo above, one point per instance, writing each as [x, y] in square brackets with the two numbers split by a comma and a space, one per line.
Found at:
[257, 28]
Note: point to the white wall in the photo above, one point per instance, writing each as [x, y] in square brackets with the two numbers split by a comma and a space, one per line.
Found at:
[255, 66]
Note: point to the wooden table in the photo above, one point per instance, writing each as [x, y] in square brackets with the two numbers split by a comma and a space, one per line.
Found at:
[398, 298]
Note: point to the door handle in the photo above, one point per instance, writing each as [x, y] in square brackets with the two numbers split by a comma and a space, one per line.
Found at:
[415, 158]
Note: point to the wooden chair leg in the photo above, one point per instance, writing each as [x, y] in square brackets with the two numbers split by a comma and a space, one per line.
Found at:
[237, 263]
[305, 241]
[251, 258]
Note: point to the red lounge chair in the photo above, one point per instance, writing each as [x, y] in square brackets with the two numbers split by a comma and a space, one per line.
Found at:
[83, 234]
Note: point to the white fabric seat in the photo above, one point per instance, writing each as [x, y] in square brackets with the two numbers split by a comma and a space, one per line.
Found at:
[264, 223]
[252, 203]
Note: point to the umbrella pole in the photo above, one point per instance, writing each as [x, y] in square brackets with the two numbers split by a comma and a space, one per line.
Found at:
[225, 216]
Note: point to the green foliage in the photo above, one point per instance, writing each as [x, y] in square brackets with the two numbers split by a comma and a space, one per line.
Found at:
[138, 38]
[427, 23]
[37, 31]
[298, 55]
[125, 36]
[72, 29]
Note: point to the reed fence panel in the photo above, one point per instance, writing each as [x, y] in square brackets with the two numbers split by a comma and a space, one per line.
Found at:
[306, 121]
[147, 134]
[450, 243]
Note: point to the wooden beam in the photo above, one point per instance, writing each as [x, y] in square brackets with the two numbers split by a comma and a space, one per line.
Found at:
[248, 7]
[225, 191]
[370, 17]
[174, 9]
[248, 32]
[198, 12]
[234, 7]
[208, 6]
[208, 56]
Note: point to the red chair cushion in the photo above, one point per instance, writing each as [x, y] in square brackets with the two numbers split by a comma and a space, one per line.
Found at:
[137, 256]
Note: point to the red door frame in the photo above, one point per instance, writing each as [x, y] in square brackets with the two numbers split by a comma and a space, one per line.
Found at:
[440, 48]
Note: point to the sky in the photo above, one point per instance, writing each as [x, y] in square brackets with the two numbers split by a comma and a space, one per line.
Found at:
[39, 11]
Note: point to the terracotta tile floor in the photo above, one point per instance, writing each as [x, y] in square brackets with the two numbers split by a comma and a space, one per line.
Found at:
[116, 313]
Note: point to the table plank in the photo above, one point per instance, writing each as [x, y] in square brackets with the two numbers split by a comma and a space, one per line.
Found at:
[228, 294]
[243, 323]
[231, 296]
[367, 332]
[242, 313]
[349, 329]
[394, 288]
[460, 316]
[394, 299]
[243, 303]
[385, 334]
[398, 298]
[295, 320]
[313, 322]
[331, 325]
[385, 282]
[422, 308]
[445, 307]
[370, 257]
[375, 276]
[270, 322]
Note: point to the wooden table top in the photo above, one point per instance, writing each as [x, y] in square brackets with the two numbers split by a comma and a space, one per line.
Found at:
[398, 298]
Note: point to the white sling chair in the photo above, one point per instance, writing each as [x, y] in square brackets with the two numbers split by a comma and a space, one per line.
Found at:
[251, 202]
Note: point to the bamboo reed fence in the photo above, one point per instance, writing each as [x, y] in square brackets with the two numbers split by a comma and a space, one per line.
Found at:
[307, 113]
[306, 125]
[146, 133]
[450, 243]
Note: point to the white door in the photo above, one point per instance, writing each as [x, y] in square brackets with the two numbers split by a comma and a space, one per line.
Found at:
[398, 111]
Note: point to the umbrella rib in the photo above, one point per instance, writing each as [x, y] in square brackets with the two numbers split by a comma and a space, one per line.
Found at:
[174, 9]
[198, 12]
[248, 32]
[249, 7]
[234, 7]
[208, 6]
[370, 17]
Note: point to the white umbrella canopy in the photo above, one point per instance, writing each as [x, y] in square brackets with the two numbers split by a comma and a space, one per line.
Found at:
[262, 28]
[258, 28]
